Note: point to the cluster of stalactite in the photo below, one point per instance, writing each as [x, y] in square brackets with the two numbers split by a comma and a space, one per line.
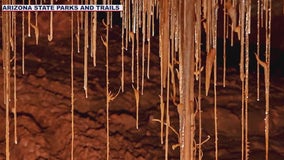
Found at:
[181, 23]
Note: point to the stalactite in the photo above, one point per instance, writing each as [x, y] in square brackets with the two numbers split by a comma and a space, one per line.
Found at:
[148, 58]
[242, 76]
[108, 94]
[162, 113]
[173, 81]
[139, 14]
[23, 41]
[162, 104]
[172, 52]
[176, 19]
[243, 122]
[36, 29]
[180, 74]
[204, 12]
[153, 21]
[110, 97]
[15, 73]
[224, 44]
[232, 13]
[11, 28]
[232, 36]
[265, 7]
[164, 39]
[196, 56]
[6, 65]
[133, 16]
[209, 26]
[82, 17]
[50, 35]
[261, 13]
[149, 16]
[143, 45]
[199, 115]
[227, 24]
[78, 32]
[188, 114]
[200, 68]
[167, 110]
[137, 45]
[122, 49]
[214, 44]
[131, 35]
[4, 78]
[249, 16]
[267, 76]
[137, 70]
[265, 66]
[94, 35]
[86, 46]
[126, 22]
[210, 58]
[215, 110]
[72, 85]
[111, 17]
[258, 48]
[157, 3]
[246, 93]
[29, 21]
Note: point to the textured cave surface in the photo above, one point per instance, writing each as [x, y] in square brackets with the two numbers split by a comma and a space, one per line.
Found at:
[44, 109]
